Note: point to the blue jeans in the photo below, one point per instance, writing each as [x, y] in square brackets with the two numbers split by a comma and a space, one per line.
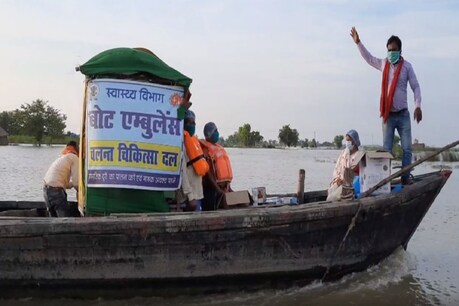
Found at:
[198, 205]
[56, 201]
[402, 122]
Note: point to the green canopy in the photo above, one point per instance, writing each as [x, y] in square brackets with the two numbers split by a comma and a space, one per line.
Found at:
[131, 61]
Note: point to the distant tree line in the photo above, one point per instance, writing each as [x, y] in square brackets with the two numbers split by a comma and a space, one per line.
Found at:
[42, 122]
[287, 137]
[38, 120]
[244, 137]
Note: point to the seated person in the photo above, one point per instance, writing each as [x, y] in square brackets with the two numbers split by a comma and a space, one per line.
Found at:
[349, 158]
[217, 181]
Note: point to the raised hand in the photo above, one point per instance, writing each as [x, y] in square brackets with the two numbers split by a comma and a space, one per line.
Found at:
[355, 35]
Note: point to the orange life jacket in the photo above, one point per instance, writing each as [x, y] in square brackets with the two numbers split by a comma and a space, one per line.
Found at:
[220, 160]
[195, 155]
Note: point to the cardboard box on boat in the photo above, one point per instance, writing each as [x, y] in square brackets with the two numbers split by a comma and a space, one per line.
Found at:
[374, 166]
[237, 198]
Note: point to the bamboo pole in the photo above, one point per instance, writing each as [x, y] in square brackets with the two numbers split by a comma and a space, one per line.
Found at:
[81, 192]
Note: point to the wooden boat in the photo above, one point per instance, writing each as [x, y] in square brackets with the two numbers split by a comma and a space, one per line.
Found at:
[248, 247]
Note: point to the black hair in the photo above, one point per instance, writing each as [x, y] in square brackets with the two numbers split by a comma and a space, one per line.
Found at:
[396, 40]
[72, 143]
[187, 120]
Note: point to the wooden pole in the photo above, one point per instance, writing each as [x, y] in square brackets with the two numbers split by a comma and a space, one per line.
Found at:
[407, 168]
[300, 192]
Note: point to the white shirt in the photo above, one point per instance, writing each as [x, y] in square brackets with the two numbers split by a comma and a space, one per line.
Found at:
[191, 182]
[63, 172]
[407, 75]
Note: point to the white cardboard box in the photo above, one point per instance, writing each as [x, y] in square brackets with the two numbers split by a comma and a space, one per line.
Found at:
[374, 166]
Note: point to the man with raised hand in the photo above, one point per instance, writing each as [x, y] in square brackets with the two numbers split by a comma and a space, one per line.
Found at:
[397, 73]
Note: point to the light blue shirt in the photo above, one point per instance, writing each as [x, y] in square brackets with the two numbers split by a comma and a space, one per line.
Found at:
[407, 75]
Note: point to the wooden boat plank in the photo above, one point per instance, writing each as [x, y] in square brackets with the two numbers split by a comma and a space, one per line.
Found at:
[21, 243]
[293, 241]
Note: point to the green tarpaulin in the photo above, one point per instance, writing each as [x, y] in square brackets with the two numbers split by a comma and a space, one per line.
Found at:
[132, 61]
[105, 201]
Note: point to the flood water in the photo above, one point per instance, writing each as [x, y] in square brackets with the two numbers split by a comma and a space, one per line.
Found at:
[426, 274]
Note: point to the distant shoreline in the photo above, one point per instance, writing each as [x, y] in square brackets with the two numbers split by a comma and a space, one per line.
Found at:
[451, 155]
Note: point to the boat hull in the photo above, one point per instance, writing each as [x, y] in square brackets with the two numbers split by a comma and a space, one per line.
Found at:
[246, 248]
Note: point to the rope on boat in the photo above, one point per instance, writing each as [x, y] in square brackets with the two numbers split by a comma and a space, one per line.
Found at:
[376, 187]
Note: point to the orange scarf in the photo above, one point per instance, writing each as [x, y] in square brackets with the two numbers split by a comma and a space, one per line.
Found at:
[387, 99]
[69, 149]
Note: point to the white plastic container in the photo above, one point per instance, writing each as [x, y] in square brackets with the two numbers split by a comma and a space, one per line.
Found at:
[255, 196]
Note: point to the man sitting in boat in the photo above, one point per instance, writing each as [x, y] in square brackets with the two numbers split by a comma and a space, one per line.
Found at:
[194, 168]
[349, 158]
[217, 181]
[61, 175]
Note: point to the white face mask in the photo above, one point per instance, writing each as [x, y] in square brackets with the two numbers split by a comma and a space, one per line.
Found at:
[349, 145]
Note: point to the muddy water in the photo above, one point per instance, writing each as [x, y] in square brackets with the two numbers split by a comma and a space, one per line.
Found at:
[426, 274]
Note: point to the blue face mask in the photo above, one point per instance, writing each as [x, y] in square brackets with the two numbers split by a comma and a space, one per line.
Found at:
[190, 128]
[215, 137]
[393, 56]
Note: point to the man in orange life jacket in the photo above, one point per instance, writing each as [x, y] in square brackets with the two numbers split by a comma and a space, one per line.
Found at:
[217, 181]
[397, 73]
[191, 182]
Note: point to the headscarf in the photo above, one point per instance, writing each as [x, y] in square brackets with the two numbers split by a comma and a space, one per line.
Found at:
[355, 137]
[189, 114]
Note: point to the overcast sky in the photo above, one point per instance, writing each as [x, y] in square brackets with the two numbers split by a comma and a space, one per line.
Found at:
[267, 63]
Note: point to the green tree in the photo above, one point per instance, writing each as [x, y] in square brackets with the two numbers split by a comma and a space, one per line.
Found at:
[54, 123]
[247, 137]
[244, 134]
[301, 143]
[270, 144]
[313, 143]
[338, 141]
[305, 143]
[288, 136]
[40, 119]
[11, 122]
[232, 140]
[255, 138]
[5, 121]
